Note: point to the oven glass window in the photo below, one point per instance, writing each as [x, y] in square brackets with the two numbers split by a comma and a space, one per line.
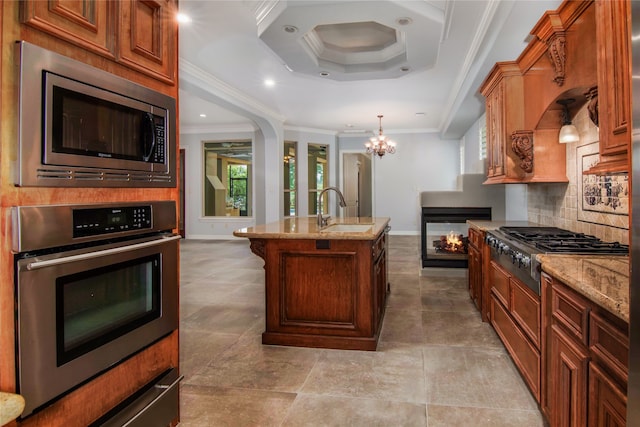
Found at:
[100, 305]
[89, 126]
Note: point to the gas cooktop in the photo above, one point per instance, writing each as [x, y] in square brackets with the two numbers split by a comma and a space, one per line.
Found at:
[557, 240]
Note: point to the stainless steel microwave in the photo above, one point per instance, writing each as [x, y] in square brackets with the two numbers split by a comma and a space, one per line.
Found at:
[80, 126]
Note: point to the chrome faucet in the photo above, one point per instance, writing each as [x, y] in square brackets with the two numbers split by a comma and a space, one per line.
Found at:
[323, 220]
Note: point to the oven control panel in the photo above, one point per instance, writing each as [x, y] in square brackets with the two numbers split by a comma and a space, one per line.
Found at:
[96, 221]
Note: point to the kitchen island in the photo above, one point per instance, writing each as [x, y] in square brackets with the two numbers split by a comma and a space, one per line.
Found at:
[325, 286]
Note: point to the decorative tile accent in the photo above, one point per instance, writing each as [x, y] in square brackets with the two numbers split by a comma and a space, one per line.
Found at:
[561, 205]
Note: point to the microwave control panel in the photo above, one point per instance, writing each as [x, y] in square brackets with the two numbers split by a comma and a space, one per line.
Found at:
[99, 221]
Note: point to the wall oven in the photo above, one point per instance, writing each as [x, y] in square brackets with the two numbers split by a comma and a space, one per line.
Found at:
[81, 126]
[94, 285]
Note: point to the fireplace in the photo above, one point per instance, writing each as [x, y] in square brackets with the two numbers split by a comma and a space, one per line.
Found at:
[445, 235]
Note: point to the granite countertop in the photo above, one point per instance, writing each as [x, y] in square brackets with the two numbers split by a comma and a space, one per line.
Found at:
[307, 228]
[484, 225]
[11, 406]
[602, 279]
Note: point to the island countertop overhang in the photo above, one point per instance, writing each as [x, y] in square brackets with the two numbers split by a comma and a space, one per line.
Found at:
[307, 228]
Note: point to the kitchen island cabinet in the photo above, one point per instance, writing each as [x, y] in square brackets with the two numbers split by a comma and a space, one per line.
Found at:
[324, 287]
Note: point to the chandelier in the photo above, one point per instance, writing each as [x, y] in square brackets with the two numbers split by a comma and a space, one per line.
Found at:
[380, 144]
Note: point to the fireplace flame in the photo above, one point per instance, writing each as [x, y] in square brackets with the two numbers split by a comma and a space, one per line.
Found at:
[453, 241]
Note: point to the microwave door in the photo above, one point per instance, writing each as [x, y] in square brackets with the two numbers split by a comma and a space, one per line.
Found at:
[90, 127]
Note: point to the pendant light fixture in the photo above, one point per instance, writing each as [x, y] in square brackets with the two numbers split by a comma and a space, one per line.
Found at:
[380, 144]
[568, 132]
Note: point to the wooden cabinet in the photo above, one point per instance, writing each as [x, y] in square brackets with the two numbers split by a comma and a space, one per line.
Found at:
[475, 268]
[587, 362]
[504, 95]
[567, 381]
[613, 33]
[479, 256]
[328, 293]
[515, 315]
[140, 34]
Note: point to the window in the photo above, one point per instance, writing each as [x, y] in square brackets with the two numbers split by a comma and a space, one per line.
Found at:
[290, 185]
[482, 137]
[227, 178]
[318, 176]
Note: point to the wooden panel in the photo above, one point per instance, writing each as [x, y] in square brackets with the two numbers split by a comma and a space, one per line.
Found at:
[609, 345]
[568, 381]
[570, 310]
[90, 24]
[499, 281]
[524, 354]
[318, 290]
[607, 402]
[545, 349]
[613, 35]
[525, 309]
[476, 237]
[149, 37]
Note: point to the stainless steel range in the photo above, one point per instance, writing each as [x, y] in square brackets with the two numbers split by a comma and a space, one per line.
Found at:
[515, 249]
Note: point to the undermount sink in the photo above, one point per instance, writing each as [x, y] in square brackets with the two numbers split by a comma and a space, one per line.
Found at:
[347, 228]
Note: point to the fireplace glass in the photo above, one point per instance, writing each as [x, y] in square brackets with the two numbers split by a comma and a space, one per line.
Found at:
[445, 235]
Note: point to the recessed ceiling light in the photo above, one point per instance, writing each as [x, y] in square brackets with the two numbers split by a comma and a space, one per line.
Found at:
[404, 21]
[183, 18]
[405, 69]
[324, 73]
[203, 115]
[290, 29]
[269, 82]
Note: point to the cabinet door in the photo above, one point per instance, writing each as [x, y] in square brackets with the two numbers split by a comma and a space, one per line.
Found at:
[495, 138]
[90, 24]
[568, 381]
[612, 37]
[607, 403]
[475, 276]
[148, 41]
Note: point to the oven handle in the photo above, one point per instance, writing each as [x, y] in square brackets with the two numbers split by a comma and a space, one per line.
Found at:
[81, 257]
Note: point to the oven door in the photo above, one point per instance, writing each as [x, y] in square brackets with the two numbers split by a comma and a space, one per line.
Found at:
[82, 311]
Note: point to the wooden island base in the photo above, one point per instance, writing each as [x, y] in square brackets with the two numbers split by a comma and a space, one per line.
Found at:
[327, 292]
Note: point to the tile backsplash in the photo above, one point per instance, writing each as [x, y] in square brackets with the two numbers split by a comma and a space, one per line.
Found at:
[561, 205]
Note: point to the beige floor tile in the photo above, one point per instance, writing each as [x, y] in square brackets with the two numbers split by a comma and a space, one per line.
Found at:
[310, 411]
[219, 407]
[453, 416]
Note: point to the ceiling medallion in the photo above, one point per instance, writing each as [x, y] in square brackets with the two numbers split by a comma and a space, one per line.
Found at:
[380, 144]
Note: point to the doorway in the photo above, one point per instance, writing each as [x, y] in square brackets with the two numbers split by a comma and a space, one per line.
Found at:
[357, 184]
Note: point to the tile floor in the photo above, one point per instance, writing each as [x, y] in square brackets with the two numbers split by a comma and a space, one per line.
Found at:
[437, 364]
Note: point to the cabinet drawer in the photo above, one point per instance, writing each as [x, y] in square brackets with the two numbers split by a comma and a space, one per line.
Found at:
[571, 311]
[476, 237]
[499, 283]
[525, 309]
[524, 354]
[610, 345]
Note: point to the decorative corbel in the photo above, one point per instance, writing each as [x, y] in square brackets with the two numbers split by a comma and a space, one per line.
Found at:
[522, 145]
[557, 55]
[258, 247]
[592, 106]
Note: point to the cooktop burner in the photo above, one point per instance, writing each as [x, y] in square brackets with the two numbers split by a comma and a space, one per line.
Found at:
[552, 239]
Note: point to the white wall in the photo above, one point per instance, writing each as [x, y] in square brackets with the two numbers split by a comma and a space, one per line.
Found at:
[422, 162]
[473, 164]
